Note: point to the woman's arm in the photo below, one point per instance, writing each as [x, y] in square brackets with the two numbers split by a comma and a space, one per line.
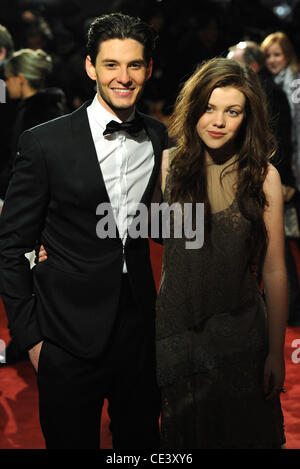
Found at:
[164, 169]
[275, 283]
[158, 192]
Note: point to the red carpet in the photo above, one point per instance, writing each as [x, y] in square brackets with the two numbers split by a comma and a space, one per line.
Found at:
[19, 424]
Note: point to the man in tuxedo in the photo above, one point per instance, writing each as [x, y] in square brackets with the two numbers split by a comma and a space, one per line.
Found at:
[86, 314]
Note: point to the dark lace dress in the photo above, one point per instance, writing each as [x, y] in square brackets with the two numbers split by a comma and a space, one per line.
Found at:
[212, 337]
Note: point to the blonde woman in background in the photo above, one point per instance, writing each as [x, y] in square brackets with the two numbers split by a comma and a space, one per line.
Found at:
[26, 74]
[282, 62]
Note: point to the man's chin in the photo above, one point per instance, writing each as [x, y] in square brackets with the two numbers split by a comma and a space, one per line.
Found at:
[122, 106]
[117, 106]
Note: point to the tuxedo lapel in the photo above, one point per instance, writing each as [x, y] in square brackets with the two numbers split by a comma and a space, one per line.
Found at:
[89, 171]
[93, 189]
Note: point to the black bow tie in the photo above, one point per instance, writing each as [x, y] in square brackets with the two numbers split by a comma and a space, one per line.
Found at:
[132, 127]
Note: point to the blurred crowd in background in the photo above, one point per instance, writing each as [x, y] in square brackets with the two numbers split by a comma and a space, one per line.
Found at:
[189, 32]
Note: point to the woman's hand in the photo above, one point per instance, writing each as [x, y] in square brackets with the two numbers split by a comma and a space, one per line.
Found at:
[42, 254]
[274, 375]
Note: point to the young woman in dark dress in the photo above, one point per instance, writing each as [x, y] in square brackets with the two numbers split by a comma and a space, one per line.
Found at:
[220, 360]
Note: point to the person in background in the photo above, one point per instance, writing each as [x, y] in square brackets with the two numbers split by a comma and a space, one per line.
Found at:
[6, 48]
[220, 347]
[250, 54]
[282, 62]
[26, 73]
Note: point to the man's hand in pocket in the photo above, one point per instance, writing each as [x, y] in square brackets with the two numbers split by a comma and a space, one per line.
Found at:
[34, 355]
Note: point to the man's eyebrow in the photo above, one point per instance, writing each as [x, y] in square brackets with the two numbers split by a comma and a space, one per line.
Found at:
[139, 61]
[109, 60]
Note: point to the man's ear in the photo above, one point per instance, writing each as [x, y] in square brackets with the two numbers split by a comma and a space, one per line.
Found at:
[90, 69]
[149, 69]
[22, 78]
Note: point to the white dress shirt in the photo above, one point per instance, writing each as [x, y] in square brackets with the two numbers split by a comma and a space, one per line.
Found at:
[126, 163]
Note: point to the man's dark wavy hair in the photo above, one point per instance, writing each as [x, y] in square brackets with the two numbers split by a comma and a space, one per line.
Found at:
[120, 26]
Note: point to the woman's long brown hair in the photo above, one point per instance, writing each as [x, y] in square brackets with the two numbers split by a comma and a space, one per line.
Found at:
[255, 145]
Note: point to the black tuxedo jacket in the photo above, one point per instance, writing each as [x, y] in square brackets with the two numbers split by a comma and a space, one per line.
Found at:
[72, 297]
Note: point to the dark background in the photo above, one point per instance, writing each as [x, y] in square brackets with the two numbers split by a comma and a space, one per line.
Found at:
[189, 32]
